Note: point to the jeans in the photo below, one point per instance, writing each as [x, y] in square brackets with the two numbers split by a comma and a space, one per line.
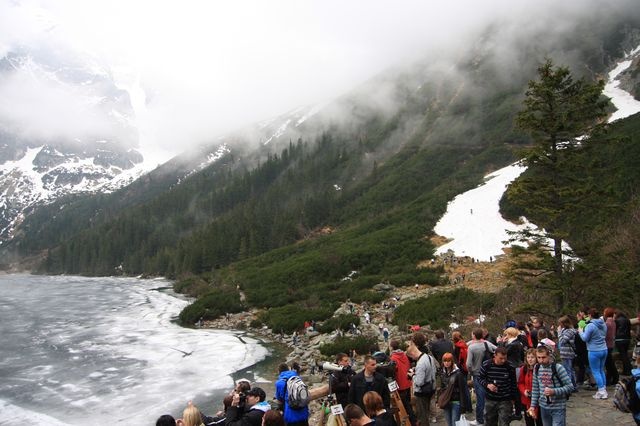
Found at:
[553, 417]
[452, 413]
[568, 365]
[480, 396]
[596, 362]
[498, 413]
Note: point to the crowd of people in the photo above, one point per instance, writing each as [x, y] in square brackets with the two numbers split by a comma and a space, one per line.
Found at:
[525, 373]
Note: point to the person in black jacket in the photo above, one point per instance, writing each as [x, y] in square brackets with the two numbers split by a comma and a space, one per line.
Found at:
[255, 407]
[340, 380]
[369, 380]
[623, 340]
[440, 346]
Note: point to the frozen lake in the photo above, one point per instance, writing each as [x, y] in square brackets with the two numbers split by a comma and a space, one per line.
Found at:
[78, 350]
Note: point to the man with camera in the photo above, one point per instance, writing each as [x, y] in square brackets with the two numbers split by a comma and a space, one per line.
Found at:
[340, 378]
[369, 380]
[255, 407]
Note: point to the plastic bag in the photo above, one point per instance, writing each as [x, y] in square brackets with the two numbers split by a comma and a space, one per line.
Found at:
[463, 421]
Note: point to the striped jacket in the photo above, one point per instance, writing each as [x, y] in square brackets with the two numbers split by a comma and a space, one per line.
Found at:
[560, 383]
[503, 376]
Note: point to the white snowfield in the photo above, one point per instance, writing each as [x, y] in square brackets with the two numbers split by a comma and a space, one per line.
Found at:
[473, 221]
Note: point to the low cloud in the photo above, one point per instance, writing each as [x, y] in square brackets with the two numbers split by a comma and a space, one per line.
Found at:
[211, 67]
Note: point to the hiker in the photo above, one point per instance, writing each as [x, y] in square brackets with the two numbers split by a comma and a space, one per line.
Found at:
[292, 416]
[190, 416]
[459, 402]
[374, 408]
[255, 407]
[567, 346]
[623, 340]
[368, 380]
[423, 376]
[440, 345]
[166, 420]
[479, 351]
[460, 351]
[525, 387]
[355, 416]
[594, 335]
[513, 346]
[610, 366]
[341, 380]
[498, 378]
[551, 388]
[403, 364]
[636, 374]
[538, 325]
[272, 418]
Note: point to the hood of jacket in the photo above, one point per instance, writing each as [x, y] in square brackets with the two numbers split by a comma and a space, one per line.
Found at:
[286, 375]
[599, 323]
[263, 406]
[400, 357]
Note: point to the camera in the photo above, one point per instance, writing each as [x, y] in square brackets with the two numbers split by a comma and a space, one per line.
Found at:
[329, 366]
[243, 399]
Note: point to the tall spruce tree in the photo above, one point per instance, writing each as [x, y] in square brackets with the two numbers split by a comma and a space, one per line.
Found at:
[559, 113]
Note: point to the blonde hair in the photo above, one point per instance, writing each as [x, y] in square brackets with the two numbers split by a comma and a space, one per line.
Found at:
[512, 332]
[191, 416]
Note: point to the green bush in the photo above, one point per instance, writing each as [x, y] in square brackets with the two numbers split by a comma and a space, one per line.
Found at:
[212, 305]
[343, 322]
[292, 317]
[437, 310]
[361, 344]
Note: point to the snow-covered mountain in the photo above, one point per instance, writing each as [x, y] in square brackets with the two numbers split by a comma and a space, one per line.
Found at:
[65, 127]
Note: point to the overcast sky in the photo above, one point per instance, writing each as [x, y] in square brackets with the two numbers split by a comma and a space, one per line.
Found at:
[212, 66]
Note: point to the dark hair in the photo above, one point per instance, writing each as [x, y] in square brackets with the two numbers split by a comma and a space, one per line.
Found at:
[296, 367]
[439, 334]
[341, 355]
[273, 418]
[543, 349]
[166, 420]
[500, 350]
[594, 313]
[353, 411]
[565, 321]
[226, 402]
[478, 333]
[542, 334]
[368, 358]
[419, 339]
[283, 367]
[243, 386]
[394, 344]
[257, 392]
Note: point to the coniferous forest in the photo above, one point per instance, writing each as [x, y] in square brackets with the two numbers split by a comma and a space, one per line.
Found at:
[286, 222]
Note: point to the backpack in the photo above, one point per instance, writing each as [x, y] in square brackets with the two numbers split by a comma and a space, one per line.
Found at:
[488, 354]
[554, 373]
[625, 397]
[298, 393]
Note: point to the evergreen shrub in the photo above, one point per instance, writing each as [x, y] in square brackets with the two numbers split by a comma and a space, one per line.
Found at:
[361, 344]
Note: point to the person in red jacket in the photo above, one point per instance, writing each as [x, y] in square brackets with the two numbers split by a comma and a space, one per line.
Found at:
[525, 386]
[403, 364]
[460, 351]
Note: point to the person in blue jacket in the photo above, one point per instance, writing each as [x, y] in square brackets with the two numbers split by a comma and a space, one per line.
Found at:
[594, 335]
[292, 416]
[636, 374]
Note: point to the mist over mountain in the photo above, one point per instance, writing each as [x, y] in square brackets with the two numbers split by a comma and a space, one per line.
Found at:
[288, 206]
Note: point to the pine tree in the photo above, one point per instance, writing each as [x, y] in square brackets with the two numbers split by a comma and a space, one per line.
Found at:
[559, 112]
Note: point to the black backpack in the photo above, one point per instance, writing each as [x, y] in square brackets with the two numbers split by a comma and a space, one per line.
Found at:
[488, 353]
[554, 372]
